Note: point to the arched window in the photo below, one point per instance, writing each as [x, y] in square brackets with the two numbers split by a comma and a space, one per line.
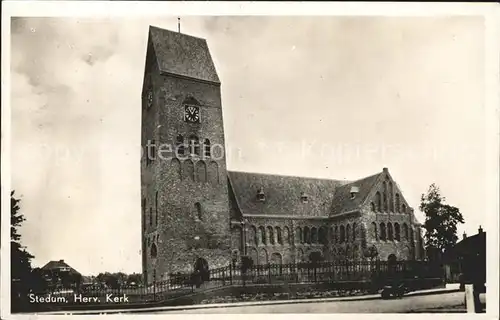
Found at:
[390, 232]
[262, 232]
[336, 234]
[379, 201]
[298, 235]
[278, 235]
[150, 217]
[144, 219]
[194, 145]
[322, 235]
[386, 208]
[188, 171]
[342, 234]
[372, 206]
[383, 235]
[156, 208]
[176, 169]
[206, 147]
[179, 145]
[391, 195]
[405, 231]
[314, 235]
[270, 235]
[199, 213]
[398, 205]
[347, 233]
[286, 235]
[354, 231]
[154, 251]
[374, 231]
[201, 171]
[255, 235]
[307, 235]
[397, 232]
[403, 208]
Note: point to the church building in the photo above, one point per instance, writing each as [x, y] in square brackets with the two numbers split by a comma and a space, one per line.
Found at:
[193, 207]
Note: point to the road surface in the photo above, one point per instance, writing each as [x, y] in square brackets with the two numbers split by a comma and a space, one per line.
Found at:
[447, 301]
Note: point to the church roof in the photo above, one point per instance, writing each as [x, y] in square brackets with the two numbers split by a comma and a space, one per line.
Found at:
[343, 201]
[182, 55]
[284, 195]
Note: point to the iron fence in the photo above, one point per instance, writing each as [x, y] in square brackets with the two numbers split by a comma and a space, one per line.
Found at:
[343, 273]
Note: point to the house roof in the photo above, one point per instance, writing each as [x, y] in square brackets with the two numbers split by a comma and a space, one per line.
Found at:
[282, 194]
[343, 202]
[56, 265]
[183, 55]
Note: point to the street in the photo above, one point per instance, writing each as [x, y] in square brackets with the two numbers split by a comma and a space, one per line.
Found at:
[430, 303]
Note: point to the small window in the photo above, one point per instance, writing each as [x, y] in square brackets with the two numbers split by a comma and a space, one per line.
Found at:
[154, 251]
[260, 195]
[150, 217]
[194, 145]
[179, 145]
[199, 214]
[206, 147]
[304, 198]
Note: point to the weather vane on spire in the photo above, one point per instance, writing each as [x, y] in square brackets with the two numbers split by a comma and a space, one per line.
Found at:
[179, 24]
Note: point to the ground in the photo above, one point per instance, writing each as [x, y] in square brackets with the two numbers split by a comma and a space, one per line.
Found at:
[444, 302]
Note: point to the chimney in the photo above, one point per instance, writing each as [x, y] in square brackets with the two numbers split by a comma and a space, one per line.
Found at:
[385, 170]
[354, 191]
[61, 261]
[480, 230]
[464, 236]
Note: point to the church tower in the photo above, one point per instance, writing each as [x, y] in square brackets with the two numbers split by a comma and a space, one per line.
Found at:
[185, 211]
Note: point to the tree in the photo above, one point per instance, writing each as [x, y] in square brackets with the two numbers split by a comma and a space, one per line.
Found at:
[370, 252]
[20, 258]
[440, 224]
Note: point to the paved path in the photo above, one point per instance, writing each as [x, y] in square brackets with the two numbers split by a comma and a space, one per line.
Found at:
[453, 301]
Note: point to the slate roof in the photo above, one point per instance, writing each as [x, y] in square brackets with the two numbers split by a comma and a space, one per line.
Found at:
[183, 55]
[57, 265]
[342, 201]
[282, 193]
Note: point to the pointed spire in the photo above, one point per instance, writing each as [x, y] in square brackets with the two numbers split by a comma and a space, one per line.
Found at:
[179, 24]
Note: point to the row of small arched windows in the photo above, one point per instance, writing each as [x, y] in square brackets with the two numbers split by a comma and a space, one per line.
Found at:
[390, 232]
[382, 205]
[199, 172]
[194, 147]
[309, 235]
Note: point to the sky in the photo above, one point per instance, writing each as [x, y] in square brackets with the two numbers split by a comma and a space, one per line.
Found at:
[329, 97]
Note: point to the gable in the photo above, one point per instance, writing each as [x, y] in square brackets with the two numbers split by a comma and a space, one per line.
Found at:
[386, 195]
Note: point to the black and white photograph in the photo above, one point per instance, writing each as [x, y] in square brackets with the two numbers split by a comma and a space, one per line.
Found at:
[233, 159]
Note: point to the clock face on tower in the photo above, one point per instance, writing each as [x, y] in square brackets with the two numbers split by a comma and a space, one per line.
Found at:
[192, 114]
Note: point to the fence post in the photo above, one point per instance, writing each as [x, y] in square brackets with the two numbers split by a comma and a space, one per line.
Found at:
[269, 271]
[230, 274]
[469, 299]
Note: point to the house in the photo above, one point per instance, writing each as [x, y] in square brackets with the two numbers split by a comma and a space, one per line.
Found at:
[466, 261]
[59, 274]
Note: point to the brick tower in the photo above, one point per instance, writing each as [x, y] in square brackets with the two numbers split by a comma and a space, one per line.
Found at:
[185, 213]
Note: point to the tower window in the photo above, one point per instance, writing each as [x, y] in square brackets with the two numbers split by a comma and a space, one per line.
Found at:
[206, 146]
[194, 145]
[199, 213]
[179, 145]
[150, 216]
[260, 195]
